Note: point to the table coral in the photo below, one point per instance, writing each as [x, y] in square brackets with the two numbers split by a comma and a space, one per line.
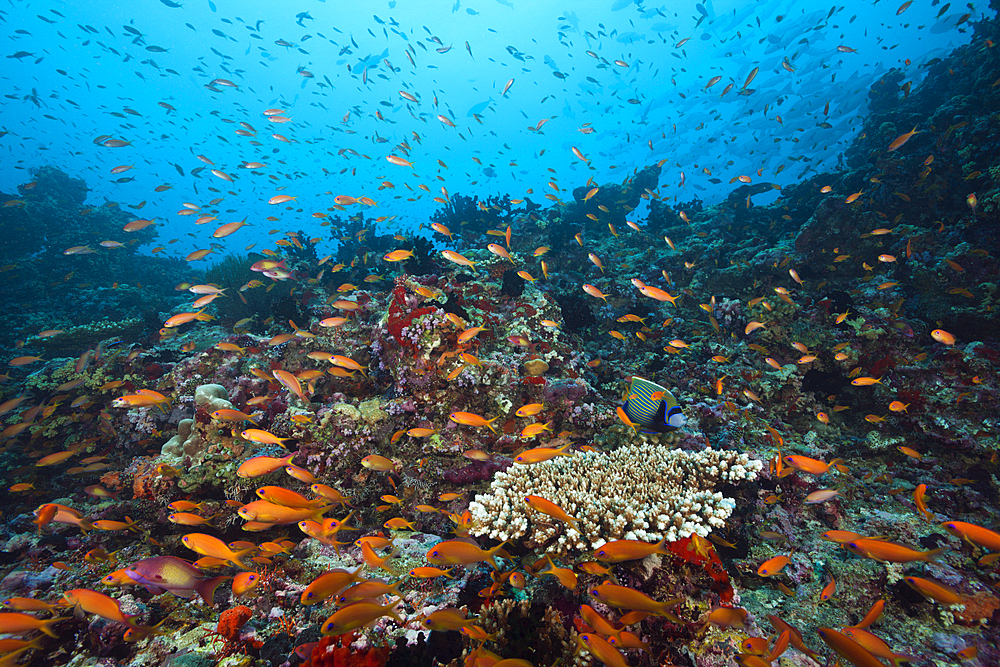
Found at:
[635, 492]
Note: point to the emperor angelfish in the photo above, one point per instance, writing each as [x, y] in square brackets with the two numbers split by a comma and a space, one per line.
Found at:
[652, 407]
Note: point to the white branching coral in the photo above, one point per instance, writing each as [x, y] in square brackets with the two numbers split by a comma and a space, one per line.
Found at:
[637, 492]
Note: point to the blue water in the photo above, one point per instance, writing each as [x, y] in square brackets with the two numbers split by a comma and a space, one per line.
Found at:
[337, 69]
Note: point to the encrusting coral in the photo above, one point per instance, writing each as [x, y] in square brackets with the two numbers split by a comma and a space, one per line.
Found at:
[189, 441]
[636, 492]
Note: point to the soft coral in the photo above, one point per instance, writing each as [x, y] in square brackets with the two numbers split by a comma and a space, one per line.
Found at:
[336, 651]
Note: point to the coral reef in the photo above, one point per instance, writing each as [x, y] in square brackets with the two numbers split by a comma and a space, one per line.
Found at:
[636, 492]
[394, 455]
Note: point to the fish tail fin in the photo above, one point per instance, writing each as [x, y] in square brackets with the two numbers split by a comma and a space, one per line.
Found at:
[661, 547]
[140, 632]
[564, 450]
[392, 614]
[934, 554]
[489, 423]
[46, 626]
[206, 589]
[492, 553]
[386, 565]
[395, 591]
[666, 606]
[343, 522]
[237, 557]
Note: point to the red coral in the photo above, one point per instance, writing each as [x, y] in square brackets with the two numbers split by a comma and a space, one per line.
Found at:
[227, 631]
[879, 368]
[231, 621]
[400, 316]
[685, 550]
[336, 651]
[148, 483]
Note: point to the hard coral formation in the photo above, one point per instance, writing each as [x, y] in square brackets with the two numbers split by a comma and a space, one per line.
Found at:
[634, 492]
[189, 444]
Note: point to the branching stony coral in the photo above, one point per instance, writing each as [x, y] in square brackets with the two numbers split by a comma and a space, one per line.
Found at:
[636, 492]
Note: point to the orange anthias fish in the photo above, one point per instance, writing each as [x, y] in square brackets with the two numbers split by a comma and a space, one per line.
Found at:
[623, 597]
[16, 624]
[601, 649]
[890, 551]
[357, 615]
[901, 139]
[279, 495]
[529, 410]
[565, 576]
[456, 258]
[291, 383]
[472, 419]
[533, 430]
[328, 584]
[262, 465]
[625, 550]
[266, 512]
[540, 454]
[934, 590]
[207, 545]
[379, 463]
[228, 415]
[553, 510]
[974, 534]
[848, 648]
[773, 566]
[142, 399]
[460, 552]
[99, 604]
[727, 617]
[808, 465]
[398, 255]
[596, 293]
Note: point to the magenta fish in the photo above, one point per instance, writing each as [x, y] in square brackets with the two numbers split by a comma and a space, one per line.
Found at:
[169, 573]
